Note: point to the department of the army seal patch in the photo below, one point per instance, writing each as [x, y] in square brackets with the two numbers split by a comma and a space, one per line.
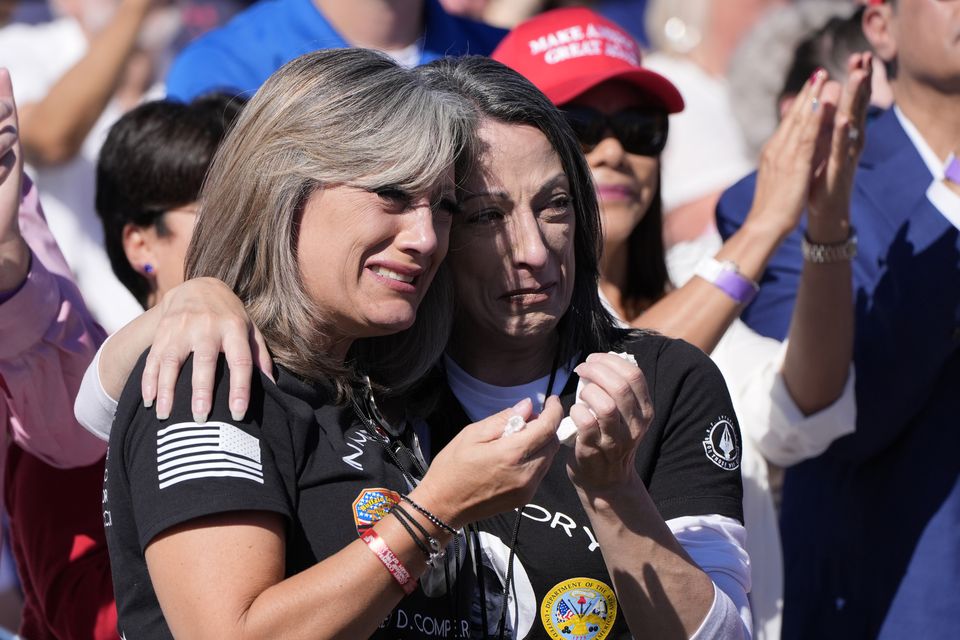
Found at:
[371, 505]
[579, 609]
[722, 444]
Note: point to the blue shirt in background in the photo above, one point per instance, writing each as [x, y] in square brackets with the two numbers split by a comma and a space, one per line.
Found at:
[238, 57]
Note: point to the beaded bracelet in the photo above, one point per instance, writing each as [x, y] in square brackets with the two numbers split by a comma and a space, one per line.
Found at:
[435, 552]
[390, 560]
[420, 543]
[429, 516]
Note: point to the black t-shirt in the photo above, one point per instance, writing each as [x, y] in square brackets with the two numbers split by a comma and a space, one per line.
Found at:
[295, 454]
[689, 460]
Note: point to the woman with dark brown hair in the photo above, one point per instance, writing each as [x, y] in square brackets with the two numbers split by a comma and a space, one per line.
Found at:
[792, 399]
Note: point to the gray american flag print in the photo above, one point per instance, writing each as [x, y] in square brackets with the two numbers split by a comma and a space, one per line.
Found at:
[191, 451]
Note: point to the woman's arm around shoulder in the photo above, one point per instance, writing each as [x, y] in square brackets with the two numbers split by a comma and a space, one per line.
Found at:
[201, 317]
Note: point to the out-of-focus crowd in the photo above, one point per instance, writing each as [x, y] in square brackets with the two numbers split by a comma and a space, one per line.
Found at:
[771, 181]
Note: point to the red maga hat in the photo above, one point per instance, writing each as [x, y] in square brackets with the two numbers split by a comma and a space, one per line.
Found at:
[566, 52]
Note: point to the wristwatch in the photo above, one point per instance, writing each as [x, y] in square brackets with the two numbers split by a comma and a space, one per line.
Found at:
[725, 275]
[828, 253]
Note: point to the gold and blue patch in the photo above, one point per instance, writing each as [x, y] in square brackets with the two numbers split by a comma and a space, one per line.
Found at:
[579, 609]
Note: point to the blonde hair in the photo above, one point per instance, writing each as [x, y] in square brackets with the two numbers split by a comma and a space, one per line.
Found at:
[345, 116]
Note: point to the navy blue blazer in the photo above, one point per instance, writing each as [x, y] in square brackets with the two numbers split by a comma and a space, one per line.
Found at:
[851, 518]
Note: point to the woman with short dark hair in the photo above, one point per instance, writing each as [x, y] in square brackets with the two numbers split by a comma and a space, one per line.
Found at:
[149, 174]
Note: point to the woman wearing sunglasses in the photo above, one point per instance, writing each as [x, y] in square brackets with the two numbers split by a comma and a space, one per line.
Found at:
[792, 399]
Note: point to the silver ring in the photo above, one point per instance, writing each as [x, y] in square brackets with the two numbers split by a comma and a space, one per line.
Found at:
[514, 424]
[853, 134]
[815, 104]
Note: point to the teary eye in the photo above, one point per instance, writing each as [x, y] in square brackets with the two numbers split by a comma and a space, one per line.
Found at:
[561, 202]
[557, 208]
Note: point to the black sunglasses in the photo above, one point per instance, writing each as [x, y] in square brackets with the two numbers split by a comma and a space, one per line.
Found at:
[640, 131]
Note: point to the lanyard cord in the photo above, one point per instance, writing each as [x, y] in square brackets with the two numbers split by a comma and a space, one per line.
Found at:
[481, 580]
[383, 434]
[504, 600]
[385, 438]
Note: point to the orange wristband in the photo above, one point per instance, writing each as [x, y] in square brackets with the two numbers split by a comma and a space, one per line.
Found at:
[390, 560]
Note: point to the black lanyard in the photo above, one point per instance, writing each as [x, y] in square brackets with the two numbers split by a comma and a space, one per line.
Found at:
[390, 438]
[407, 461]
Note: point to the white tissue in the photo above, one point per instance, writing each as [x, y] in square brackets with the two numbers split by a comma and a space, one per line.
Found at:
[567, 431]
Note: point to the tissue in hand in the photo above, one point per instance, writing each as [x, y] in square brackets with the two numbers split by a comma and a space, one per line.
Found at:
[567, 431]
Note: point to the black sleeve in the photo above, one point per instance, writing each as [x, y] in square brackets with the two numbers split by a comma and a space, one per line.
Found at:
[696, 470]
[178, 470]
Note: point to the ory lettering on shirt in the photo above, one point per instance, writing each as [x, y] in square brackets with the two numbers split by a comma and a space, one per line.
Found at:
[561, 521]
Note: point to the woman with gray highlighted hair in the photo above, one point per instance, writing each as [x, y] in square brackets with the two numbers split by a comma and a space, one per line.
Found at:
[327, 211]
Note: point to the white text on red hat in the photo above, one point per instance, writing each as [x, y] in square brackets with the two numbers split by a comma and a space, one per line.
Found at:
[576, 42]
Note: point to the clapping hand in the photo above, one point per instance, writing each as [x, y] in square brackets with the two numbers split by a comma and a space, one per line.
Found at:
[11, 161]
[811, 158]
[13, 251]
[838, 151]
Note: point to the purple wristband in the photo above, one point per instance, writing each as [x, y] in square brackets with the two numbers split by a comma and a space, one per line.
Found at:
[741, 289]
[952, 171]
[725, 275]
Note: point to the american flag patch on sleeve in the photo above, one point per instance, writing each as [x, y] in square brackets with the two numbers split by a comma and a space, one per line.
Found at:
[190, 451]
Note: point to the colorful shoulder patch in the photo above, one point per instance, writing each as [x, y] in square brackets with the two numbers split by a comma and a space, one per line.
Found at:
[371, 505]
[579, 609]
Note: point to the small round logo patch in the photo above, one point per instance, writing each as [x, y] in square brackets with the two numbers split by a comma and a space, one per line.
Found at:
[722, 444]
[579, 609]
[371, 505]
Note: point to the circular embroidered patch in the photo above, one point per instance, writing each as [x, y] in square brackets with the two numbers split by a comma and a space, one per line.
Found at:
[371, 505]
[722, 444]
[579, 609]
